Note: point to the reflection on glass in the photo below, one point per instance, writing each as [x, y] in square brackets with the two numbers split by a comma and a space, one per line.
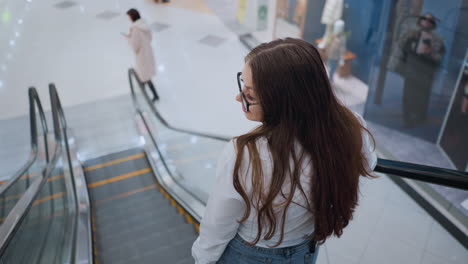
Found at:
[416, 94]
[422, 52]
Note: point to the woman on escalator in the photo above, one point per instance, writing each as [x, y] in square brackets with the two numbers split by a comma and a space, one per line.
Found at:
[285, 187]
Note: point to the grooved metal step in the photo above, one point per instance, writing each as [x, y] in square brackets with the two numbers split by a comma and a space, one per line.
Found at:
[132, 221]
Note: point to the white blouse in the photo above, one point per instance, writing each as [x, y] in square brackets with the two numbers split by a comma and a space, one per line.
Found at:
[225, 205]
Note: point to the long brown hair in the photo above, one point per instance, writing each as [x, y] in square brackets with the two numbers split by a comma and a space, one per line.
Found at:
[299, 106]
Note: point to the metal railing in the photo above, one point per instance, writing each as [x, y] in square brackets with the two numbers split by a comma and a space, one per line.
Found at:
[80, 240]
[132, 74]
[18, 213]
[34, 105]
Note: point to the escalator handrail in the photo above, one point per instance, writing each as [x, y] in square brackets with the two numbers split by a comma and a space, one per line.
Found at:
[34, 102]
[80, 240]
[60, 131]
[16, 216]
[429, 174]
[440, 176]
[19, 212]
[132, 73]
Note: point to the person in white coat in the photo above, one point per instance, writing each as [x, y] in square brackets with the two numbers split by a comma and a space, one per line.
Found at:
[139, 39]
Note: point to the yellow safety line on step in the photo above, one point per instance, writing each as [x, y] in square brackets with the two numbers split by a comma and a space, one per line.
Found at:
[126, 194]
[113, 162]
[180, 209]
[93, 227]
[119, 178]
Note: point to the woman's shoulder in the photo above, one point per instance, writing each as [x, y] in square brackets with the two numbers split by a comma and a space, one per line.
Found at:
[360, 119]
[229, 154]
[261, 144]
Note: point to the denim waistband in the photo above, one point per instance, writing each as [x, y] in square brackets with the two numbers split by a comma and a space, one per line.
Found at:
[241, 244]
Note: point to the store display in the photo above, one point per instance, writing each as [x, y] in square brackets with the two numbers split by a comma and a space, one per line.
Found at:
[336, 48]
[332, 12]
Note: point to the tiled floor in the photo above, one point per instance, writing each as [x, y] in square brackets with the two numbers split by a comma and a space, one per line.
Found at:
[158, 27]
[88, 59]
[107, 15]
[65, 4]
[212, 41]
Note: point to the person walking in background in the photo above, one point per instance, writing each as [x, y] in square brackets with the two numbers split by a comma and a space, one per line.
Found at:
[285, 187]
[139, 39]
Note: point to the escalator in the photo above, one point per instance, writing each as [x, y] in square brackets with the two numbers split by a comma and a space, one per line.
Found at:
[132, 220]
[140, 205]
[39, 201]
[109, 209]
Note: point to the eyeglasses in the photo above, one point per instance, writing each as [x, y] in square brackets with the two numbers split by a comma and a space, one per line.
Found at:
[240, 83]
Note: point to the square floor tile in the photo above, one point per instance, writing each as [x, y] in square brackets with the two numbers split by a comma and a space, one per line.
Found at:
[158, 27]
[213, 41]
[390, 251]
[65, 4]
[404, 224]
[442, 244]
[107, 15]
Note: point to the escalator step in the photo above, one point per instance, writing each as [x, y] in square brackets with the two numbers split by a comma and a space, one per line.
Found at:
[132, 221]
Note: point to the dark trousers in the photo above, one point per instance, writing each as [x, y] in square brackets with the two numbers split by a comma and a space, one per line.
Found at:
[416, 96]
[153, 90]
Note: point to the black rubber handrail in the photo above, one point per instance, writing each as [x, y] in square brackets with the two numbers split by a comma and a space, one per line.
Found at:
[446, 177]
[428, 174]
[34, 102]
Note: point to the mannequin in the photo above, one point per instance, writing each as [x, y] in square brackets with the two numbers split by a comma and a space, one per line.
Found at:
[336, 49]
[332, 12]
[423, 50]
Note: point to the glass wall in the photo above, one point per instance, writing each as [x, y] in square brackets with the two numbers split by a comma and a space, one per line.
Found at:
[417, 74]
[403, 65]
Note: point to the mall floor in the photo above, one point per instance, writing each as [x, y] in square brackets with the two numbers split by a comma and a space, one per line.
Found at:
[77, 45]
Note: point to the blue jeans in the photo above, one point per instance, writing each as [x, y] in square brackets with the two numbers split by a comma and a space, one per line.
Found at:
[237, 252]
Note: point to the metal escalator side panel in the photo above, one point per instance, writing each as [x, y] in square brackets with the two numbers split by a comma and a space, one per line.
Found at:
[77, 244]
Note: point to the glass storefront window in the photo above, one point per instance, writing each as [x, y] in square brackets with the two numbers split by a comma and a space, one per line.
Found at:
[403, 65]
